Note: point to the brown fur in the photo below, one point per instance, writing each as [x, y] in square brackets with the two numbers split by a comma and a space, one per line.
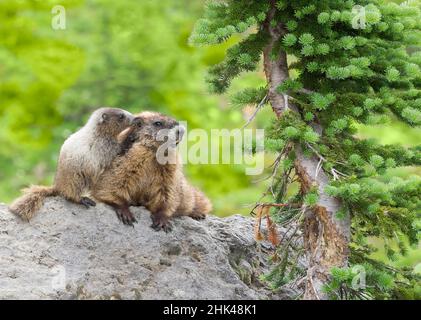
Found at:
[31, 201]
[83, 158]
[137, 178]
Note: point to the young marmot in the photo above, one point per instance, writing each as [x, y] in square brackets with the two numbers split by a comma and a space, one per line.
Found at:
[83, 158]
[140, 177]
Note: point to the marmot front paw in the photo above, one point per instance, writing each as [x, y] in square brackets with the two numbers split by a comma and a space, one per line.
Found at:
[126, 216]
[160, 222]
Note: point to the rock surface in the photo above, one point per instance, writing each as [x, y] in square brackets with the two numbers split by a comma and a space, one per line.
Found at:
[67, 252]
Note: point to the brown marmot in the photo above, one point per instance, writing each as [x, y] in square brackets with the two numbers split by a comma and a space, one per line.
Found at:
[139, 177]
[83, 158]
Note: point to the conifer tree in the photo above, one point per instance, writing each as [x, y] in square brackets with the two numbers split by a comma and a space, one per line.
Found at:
[331, 65]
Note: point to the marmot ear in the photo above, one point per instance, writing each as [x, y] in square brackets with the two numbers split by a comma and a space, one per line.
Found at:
[104, 117]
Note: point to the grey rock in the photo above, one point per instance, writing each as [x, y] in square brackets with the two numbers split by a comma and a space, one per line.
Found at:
[68, 252]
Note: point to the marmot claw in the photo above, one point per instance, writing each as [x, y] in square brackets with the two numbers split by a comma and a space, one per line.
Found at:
[161, 223]
[126, 216]
[87, 202]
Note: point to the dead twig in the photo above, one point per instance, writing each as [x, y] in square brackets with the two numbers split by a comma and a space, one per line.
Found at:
[258, 107]
[335, 173]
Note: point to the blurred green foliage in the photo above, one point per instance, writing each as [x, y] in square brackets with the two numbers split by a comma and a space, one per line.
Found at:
[128, 54]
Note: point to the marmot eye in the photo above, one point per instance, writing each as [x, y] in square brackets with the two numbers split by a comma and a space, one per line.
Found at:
[158, 123]
[121, 116]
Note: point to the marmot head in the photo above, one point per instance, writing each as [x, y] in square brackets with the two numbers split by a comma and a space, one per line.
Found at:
[152, 129]
[110, 121]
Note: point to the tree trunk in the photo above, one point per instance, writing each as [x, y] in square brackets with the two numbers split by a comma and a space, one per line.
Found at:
[326, 238]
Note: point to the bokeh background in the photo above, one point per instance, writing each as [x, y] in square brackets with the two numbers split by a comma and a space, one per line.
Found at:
[132, 54]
